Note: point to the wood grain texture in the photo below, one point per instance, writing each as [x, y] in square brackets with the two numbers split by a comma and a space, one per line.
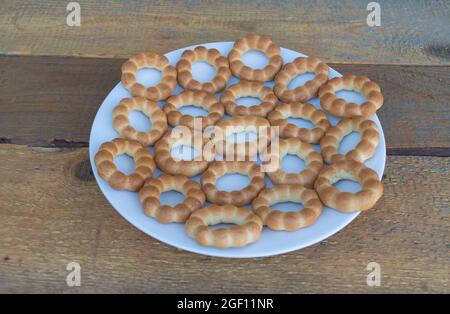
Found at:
[52, 101]
[411, 32]
[53, 213]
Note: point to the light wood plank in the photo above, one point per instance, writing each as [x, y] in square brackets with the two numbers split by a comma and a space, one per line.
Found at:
[411, 32]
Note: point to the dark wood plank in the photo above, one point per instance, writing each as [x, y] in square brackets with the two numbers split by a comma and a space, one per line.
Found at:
[52, 101]
[53, 213]
[411, 32]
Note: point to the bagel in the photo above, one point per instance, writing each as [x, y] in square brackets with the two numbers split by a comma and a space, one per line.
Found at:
[363, 150]
[248, 89]
[241, 197]
[310, 88]
[150, 198]
[143, 164]
[262, 43]
[154, 60]
[294, 146]
[122, 125]
[340, 107]
[372, 188]
[292, 220]
[211, 56]
[171, 165]
[199, 98]
[247, 229]
[279, 116]
[242, 150]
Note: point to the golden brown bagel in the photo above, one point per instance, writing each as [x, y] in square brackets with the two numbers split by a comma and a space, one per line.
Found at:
[241, 197]
[292, 220]
[122, 124]
[279, 116]
[197, 98]
[293, 146]
[372, 188]
[341, 108]
[150, 198]
[143, 163]
[247, 229]
[248, 89]
[310, 88]
[149, 59]
[363, 150]
[262, 43]
[211, 56]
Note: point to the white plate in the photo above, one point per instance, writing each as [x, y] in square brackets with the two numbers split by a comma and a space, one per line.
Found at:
[270, 242]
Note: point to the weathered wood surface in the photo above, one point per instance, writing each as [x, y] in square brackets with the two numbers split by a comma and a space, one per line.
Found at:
[47, 101]
[52, 213]
[411, 32]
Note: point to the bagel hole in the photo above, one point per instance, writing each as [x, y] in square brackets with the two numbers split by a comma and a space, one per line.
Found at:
[301, 79]
[232, 182]
[348, 185]
[139, 121]
[255, 59]
[301, 123]
[184, 152]
[248, 101]
[350, 96]
[171, 198]
[222, 226]
[288, 206]
[124, 163]
[193, 110]
[148, 76]
[349, 142]
[292, 164]
[242, 137]
[203, 71]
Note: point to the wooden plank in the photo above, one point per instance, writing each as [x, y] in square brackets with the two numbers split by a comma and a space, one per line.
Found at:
[63, 95]
[53, 213]
[411, 32]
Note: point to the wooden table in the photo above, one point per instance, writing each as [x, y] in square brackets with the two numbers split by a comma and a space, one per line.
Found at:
[54, 77]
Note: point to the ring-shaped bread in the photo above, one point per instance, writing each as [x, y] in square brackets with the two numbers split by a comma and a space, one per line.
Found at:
[211, 56]
[172, 165]
[248, 89]
[241, 197]
[107, 169]
[279, 116]
[154, 60]
[235, 150]
[290, 220]
[197, 98]
[342, 108]
[363, 150]
[294, 146]
[372, 188]
[122, 125]
[150, 198]
[247, 228]
[310, 88]
[261, 43]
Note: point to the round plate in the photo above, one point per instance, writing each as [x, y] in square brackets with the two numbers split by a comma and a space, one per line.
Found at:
[270, 242]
